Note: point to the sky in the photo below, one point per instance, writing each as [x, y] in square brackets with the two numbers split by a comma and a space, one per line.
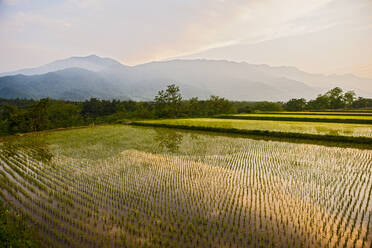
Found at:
[317, 36]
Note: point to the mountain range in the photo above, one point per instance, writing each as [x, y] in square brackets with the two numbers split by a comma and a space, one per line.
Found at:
[80, 78]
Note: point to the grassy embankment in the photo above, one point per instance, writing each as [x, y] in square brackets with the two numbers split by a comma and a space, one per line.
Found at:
[360, 118]
[337, 113]
[335, 132]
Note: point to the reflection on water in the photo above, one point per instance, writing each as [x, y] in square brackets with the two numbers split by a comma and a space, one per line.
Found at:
[219, 190]
[109, 141]
[168, 141]
[34, 146]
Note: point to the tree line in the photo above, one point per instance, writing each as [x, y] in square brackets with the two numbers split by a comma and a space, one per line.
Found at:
[335, 98]
[25, 115]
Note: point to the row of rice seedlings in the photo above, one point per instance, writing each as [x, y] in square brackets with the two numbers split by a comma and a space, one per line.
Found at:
[261, 193]
[42, 204]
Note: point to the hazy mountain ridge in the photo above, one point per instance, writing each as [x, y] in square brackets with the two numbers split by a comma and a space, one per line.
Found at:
[61, 85]
[79, 78]
[347, 81]
[91, 62]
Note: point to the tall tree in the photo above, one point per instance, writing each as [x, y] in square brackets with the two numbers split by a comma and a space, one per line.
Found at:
[168, 102]
[336, 100]
[219, 105]
[349, 98]
[296, 104]
[320, 103]
[14, 119]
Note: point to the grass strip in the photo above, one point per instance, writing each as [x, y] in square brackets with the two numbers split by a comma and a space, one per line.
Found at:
[299, 119]
[331, 113]
[265, 133]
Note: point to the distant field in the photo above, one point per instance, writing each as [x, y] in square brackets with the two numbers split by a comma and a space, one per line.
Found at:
[353, 130]
[305, 117]
[347, 113]
[310, 116]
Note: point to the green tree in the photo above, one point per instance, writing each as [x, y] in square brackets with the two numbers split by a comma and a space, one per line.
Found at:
[219, 105]
[245, 109]
[142, 112]
[92, 108]
[268, 106]
[336, 98]
[320, 103]
[349, 98]
[362, 102]
[39, 116]
[64, 115]
[168, 102]
[296, 104]
[194, 107]
[15, 120]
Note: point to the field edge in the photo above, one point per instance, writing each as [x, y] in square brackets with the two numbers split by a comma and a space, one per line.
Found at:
[298, 119]
[264, 133]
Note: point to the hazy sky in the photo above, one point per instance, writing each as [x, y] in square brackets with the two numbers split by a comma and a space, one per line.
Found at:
[322, 36]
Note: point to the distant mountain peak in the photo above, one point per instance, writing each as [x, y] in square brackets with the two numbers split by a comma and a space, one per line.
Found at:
[88, 57]
[93, 56]
[91, 62]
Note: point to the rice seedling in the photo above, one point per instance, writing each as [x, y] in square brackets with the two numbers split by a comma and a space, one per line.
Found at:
[120, 186]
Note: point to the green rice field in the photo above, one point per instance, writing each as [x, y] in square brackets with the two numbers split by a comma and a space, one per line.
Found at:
[124, 186]
[342, 129]
[345, 113]
[305, 117]
[311, 116]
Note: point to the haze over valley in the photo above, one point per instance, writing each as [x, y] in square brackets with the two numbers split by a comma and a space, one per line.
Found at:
[81, 78]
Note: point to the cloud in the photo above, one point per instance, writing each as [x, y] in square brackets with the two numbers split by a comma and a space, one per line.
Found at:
[201, 25]
[158, 29]
[332, 37]
[223, 23]
[142, 30]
